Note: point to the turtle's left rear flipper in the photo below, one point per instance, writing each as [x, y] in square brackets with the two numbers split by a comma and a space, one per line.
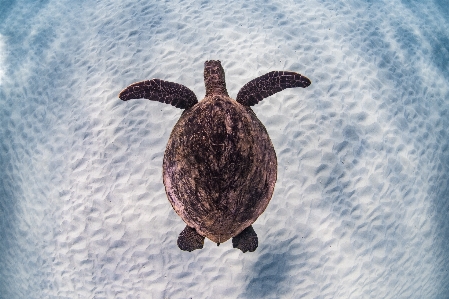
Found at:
[162, 91]
[189, 239]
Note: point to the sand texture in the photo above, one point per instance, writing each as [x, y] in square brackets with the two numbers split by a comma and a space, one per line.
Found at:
[361, 201]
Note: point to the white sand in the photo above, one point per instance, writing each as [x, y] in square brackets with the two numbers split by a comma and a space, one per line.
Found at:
[361, 203]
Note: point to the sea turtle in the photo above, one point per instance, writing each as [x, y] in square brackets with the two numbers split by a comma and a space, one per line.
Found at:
[219, 167]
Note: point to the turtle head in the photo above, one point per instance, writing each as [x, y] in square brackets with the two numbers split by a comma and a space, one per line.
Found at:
[214, 78]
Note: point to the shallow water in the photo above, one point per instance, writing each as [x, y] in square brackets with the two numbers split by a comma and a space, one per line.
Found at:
[361, 201]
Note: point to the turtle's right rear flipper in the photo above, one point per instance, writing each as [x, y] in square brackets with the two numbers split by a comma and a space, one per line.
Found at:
[246, 241]
[189, 239]
[162, 91]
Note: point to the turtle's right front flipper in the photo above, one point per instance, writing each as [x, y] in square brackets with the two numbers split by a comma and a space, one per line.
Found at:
[264, 86]
[162, 91]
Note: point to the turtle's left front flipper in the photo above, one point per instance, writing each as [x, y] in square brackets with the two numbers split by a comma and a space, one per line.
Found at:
[162, 91]
[264, 86]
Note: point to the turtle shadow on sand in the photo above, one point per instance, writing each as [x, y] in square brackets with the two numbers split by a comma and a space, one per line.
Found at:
[271, 274]
[220, 166]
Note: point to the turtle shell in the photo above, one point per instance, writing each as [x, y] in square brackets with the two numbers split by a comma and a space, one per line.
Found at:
[219, 167]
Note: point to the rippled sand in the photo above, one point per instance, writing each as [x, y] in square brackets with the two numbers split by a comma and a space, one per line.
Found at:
[361, 202]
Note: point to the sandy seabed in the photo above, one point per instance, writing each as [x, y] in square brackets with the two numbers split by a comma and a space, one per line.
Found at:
[361, 202]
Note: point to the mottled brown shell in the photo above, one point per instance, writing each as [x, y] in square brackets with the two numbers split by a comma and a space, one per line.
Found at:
[219, 167]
